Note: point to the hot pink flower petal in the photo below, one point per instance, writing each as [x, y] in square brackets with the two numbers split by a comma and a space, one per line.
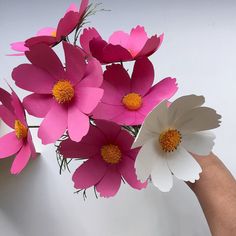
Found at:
[165, 89]
[78, 123]
[72, 7]
[21, 159]
[87, 98]
[119, 38]
[142, 77]
[107, 112]
[54, 124]
[67, 24]
[9, 145]
[93, 76]
[137, 40]
[125, 118]
[116, 53]
[97, 46]
[89, 173]
[127, 170]
[119, 78]
[109, 129]
[45, 58]
[46, 31]
[44, 39]
[83, 7]
[31, 144]
[18, 108]
[151, 46]
[124, 140]
[38, 104]
[7, 116]
[19, 46]
[5, 99]
[72, 149]
[110, 183]
[32, 78]
[74, 71]
[87, 35]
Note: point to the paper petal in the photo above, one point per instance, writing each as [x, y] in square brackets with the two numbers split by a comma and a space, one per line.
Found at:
[75, 63]
[54, 125]
[9, 145]
[89, 173]
[21, 159]
[198, 119]
[184, 104]
[7, 116]
[128, 172]
[110, 183]
[183, 165]
[200, 143]
[38, 104]
[145, 160]
[78, 123]
[142, 77]
[87, 98]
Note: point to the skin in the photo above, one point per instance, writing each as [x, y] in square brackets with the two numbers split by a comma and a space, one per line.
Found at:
[216, 192]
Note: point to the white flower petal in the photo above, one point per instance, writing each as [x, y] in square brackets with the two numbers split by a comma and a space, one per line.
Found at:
[157, 120]
[200, 143]
[161, 175]
[183, 165]
[182, 105]
[145, 160]
[198, 119]
[153, 125]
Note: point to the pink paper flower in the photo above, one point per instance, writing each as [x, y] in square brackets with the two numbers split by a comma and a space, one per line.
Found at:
[52, 36]
[128, 101]
[109, 159]
[120, 46]
[18, 142]
[63, 97]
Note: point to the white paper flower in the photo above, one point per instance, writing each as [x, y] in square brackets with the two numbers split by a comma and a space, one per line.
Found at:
[169, 135]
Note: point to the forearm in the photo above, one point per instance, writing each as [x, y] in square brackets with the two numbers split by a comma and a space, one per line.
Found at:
[216, 192]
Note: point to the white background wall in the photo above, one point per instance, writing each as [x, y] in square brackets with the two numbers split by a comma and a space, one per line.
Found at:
[199, 50]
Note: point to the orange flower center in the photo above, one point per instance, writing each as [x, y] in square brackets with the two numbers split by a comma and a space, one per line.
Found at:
[20, 130]
[63, 91]
[132, 101]
[111, 154]
[170, 140]
[54, 34]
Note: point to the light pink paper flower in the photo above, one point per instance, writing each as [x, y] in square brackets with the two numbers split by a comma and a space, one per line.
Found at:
[18, 142]
[63, 97]
[109, 159]
[120, 46]
[52, 36]
[128, 101]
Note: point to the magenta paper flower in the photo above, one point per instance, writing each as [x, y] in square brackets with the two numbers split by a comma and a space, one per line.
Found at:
[63, 97]
[120, 46]
[52, 36]
[128, 101]
[109, 159]
[18, 142]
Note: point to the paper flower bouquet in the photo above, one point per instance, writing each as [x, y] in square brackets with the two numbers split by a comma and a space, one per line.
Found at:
[117, 122]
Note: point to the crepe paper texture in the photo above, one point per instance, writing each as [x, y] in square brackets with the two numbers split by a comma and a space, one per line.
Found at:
[17, 142]
[168, 136]
[109, 159]
[63, 97]
[121, 46]
[51, 36]
[127, 101]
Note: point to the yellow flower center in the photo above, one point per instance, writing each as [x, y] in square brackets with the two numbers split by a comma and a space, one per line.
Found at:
[170, 140]
[20, 130]
[111, 154]
[132, 101]
[54, 34]
[63, 91]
